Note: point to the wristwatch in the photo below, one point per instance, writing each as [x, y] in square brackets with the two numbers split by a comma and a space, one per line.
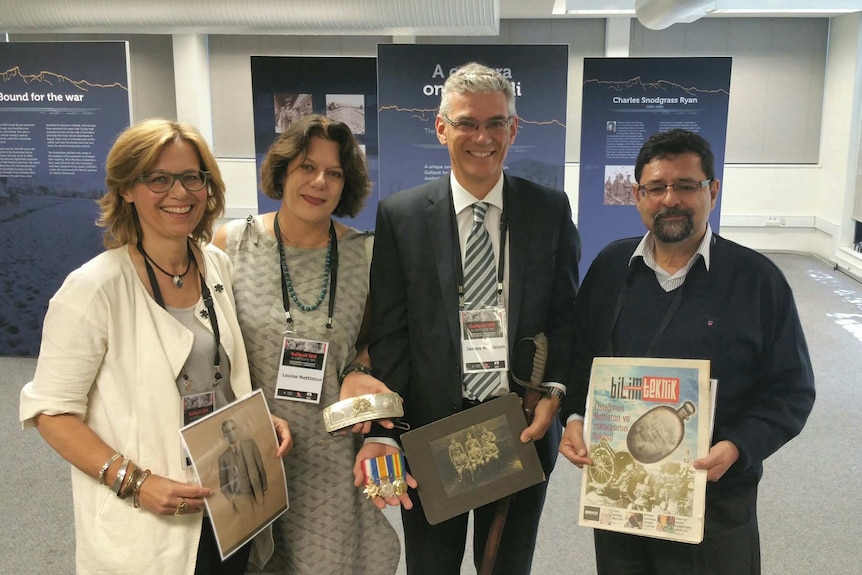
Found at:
[553, 391]
[360, 367]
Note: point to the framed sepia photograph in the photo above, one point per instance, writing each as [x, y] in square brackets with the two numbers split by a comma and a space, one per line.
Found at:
[472, 458]
[232, 451]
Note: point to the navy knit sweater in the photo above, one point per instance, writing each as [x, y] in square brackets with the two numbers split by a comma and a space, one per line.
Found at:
[740, 315]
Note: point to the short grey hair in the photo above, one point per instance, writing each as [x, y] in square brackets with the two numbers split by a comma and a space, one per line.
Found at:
[474, 78]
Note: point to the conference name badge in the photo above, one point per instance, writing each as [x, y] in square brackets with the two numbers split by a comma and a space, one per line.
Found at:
[300, 375]
[483, 339]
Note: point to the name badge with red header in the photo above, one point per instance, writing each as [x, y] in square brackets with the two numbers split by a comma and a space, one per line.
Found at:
[300, 375]
[484, 338]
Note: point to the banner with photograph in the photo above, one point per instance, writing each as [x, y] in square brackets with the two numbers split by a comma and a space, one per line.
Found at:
[410, 81]
[62, 105]
[285, 88]
[626, 100]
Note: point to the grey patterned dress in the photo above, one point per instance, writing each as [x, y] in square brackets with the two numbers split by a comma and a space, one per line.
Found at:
[329, 527]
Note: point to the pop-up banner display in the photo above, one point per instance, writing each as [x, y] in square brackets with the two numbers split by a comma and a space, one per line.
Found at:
[626, 100]
[410, 82]
[62, 105]
[285, 88]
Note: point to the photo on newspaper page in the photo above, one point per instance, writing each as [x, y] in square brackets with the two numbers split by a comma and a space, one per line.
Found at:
[646, 421]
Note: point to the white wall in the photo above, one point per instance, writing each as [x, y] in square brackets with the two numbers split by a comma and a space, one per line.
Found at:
[839, 144]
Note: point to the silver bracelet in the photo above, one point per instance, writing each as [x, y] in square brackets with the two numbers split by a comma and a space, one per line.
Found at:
[107, 464]
[121, 474]
[367, 407]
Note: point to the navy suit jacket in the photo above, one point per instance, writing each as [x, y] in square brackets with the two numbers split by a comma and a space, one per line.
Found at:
[415, 342]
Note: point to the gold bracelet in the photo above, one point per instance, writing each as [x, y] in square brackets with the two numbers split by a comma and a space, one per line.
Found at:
[105, 467]
[137, 491]
[132, 477]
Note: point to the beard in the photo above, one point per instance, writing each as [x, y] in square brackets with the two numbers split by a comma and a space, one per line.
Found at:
[673, 231]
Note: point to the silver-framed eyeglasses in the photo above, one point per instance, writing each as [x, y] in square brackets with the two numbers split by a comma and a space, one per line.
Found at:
[681, 188]
[492, 126]
[160, 181]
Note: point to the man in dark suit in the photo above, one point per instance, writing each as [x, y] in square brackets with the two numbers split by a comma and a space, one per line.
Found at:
[416, 273]
[242, 476]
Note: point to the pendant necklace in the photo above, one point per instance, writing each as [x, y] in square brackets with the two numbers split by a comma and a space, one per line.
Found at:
[209, 313]
[176, 279]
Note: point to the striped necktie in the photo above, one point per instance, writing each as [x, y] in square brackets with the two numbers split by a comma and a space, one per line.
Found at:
[480, 288]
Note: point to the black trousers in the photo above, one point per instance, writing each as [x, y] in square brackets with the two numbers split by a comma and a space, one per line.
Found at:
[731, 545]
[439, 549]
[209, 561]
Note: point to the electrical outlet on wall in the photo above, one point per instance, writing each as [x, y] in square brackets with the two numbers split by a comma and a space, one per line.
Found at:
[774, 221]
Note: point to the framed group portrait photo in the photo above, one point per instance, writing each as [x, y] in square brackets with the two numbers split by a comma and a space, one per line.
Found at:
[472, 458]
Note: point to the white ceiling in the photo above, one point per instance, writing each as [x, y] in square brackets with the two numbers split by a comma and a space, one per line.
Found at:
[368, 17]
[722, 8]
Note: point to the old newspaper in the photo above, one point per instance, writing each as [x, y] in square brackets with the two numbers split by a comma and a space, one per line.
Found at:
[646, 421]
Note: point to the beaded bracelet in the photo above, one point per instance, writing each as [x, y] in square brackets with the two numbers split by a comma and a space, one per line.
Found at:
[105, 467]
[137, 491]
[121, 474]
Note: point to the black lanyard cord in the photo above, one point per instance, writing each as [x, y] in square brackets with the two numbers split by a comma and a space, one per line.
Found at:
[668, 315]
[208, 302]
[459, 266]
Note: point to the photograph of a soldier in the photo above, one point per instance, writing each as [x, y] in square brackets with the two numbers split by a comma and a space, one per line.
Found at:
[233, 452]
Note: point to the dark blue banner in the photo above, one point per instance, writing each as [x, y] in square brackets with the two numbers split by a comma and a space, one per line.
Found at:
[626, 100]
[410, 81]
[62, 105]
[285, 88]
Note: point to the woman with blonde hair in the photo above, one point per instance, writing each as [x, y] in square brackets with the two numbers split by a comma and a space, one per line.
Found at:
[132, 336]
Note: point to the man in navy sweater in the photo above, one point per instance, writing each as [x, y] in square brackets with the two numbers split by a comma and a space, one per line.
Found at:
[682, 291]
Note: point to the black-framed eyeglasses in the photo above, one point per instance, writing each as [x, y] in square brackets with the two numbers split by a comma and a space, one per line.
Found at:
[494, 125]
[160, 181]
[681, 188]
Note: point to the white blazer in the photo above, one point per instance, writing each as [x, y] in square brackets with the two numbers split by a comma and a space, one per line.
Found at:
[111, 355]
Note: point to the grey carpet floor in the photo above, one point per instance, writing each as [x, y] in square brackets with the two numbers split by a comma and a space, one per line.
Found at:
[810, 506]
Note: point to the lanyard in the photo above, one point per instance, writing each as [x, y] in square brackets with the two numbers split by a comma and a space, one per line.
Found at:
[671, 310]
[330, 275]
[208, 302]
[459, 266]
[668, 314]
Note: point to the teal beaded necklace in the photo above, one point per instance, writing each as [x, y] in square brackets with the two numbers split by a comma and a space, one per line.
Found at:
[329, 272]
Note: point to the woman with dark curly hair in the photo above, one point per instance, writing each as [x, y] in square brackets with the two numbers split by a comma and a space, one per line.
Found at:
[301, 284]
[132, 336]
